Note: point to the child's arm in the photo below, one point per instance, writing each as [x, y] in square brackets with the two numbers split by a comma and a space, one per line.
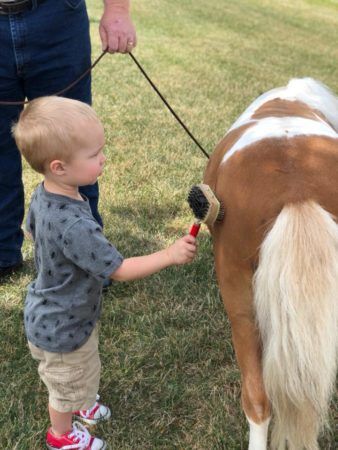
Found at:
[181, 252]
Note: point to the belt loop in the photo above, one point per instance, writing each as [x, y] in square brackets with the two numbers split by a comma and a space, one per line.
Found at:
[34, 4]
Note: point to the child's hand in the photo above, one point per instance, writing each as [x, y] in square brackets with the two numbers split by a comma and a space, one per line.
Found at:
[182, 251]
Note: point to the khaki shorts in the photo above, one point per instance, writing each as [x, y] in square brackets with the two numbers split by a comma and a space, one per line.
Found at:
[72, 379]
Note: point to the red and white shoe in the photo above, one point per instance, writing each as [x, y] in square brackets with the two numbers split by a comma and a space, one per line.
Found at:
[95, 414]
[79, 438]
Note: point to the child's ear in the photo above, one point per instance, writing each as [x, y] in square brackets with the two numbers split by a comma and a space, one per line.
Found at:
[57, 167]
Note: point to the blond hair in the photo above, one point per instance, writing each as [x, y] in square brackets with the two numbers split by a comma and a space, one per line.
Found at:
[47, 129]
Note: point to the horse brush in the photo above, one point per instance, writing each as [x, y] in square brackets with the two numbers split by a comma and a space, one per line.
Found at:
[205, 206]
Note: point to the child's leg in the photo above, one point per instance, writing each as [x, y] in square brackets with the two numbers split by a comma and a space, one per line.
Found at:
[61, 422]
[72, 380]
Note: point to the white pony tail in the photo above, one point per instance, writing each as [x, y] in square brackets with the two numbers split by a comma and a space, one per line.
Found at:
[296, 293]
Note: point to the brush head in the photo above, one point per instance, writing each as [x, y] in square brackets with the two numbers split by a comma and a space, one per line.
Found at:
[204, 204]
[198, 203]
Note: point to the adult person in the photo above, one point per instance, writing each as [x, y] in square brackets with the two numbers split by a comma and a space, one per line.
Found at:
[44, 46]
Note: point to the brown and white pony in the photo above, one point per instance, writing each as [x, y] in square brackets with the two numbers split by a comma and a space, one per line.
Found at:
[276, 256]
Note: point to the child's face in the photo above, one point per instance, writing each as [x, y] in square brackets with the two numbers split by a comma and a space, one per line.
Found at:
[87, 163]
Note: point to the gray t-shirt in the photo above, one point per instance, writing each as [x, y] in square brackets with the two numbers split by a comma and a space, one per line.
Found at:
[72, 258]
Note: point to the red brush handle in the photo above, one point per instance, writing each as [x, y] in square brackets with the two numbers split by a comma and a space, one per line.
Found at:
[195, 229]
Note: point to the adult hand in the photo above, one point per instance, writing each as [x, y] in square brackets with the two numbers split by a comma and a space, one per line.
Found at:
[116, 28]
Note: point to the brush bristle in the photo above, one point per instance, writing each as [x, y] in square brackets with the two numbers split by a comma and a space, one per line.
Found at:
[198, 203]
[206, 207]
[221, 213]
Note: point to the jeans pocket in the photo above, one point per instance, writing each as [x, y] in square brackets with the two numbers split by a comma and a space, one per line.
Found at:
[73, 4]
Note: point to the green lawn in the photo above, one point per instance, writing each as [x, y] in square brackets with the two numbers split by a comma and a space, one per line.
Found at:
[169, 371]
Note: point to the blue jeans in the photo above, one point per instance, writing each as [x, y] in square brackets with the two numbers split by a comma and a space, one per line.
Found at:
[41, 52]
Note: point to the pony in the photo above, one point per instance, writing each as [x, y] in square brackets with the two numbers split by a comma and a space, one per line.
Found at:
[276, 258]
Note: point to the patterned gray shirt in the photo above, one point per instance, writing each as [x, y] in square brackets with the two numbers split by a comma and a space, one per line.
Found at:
[72, 258]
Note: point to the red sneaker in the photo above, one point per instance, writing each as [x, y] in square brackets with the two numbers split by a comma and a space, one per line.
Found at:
[79, 439]
[95, 414]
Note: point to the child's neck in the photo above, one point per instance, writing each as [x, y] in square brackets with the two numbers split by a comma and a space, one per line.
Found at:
[62, 189]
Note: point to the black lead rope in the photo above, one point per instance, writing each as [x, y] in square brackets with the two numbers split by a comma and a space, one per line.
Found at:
[17, 103]
[167, 105]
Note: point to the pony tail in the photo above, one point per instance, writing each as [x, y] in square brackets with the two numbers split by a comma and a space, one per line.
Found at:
[296, 290]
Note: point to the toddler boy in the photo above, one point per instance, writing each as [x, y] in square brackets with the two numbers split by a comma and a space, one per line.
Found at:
[63, 139]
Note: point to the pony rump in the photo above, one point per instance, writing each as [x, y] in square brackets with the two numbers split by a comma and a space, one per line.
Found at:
[295, 292]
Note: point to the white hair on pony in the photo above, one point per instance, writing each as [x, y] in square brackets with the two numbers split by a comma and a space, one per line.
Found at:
[316, 95]
[307, 90]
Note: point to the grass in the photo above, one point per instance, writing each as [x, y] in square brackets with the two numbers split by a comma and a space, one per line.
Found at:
[169, 371]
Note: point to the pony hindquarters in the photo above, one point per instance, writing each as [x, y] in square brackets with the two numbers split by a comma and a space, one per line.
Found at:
[295, 291]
